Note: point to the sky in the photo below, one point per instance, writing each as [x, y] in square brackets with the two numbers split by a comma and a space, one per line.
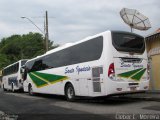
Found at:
[73, 20]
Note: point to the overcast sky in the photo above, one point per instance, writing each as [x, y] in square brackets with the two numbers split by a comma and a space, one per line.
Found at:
[72, 20]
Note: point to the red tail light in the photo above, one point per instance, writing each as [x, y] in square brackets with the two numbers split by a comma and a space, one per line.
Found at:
[111, 71]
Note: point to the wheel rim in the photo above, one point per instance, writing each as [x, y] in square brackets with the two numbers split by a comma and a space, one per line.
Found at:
[70, 92]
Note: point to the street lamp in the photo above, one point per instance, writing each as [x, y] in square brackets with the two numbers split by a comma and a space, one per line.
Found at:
[33, 24]
[46, 29]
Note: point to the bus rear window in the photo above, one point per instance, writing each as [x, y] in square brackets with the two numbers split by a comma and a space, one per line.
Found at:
[128, 42]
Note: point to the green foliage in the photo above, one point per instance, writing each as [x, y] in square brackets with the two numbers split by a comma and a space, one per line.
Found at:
[18, 47]
[3, 60]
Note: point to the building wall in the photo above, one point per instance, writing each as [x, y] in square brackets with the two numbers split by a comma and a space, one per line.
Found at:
[153, 50]
[153, 46]
[156, 71]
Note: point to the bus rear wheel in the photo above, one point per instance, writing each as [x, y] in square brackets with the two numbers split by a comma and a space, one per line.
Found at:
[30, 90]
[69, 92]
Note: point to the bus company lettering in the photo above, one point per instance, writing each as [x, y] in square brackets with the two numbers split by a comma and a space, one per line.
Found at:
[125, 65]
[83, 69]
[139, 66]
[67, 70]
[78, 69]
[130, 65]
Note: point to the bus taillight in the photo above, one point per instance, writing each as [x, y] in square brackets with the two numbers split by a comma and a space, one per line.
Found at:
[111, 71]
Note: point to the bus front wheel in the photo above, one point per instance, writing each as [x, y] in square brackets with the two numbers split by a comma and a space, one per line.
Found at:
[4, 88]
[13, 88]
[69, 92]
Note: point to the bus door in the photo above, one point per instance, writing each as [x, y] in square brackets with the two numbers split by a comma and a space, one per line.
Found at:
[97, 80]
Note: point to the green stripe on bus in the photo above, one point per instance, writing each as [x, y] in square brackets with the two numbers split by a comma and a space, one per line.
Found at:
[129, 73]
[43, 79]
[138, 75]
[38, 82]
[50, 77]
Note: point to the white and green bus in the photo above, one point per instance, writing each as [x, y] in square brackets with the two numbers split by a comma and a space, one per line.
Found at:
[112, 62]
[12, 77]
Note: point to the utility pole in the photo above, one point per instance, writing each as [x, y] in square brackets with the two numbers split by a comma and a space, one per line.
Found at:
[46, 34]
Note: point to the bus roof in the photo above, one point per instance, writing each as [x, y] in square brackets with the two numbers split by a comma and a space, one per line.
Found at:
[69, 45]
[14, 63]
[75, 43]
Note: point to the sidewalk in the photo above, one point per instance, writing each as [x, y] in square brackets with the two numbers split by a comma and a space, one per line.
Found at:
[149, 96]
[153, 95]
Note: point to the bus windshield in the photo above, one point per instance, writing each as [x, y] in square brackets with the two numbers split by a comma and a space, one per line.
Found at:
[23, 62]
[128, 42]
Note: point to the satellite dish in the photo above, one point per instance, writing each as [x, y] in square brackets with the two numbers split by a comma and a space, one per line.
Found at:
[135, 19]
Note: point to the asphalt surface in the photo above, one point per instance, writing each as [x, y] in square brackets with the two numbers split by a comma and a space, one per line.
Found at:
[51, 107]
[40, 107]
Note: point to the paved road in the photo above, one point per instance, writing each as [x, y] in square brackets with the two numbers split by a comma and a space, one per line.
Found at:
[46, 107]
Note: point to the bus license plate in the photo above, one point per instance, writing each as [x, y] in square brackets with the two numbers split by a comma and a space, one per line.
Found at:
[133, 88]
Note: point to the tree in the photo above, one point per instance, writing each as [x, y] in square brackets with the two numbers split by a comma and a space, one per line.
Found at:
[25, 46]
[4, 61]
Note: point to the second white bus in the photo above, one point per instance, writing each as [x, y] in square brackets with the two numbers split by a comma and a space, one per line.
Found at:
[12, 77]
[112, 62]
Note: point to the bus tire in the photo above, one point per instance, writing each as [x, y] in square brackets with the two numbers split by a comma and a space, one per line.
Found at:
[69, 92]
[13, 90]
[30, 90]
[4, 88]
